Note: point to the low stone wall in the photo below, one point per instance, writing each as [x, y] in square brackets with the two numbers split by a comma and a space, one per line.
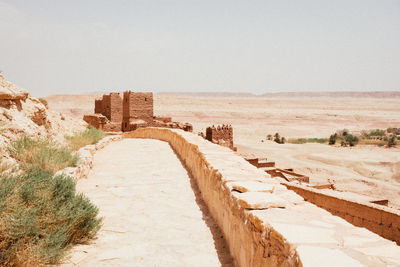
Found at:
[86, 155]
[251, 243]
[264, 223]
[380, 220]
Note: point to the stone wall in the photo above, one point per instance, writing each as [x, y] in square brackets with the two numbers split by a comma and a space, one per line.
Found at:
[98, 106]
[380, 220]
[264, 223]
[247, 237]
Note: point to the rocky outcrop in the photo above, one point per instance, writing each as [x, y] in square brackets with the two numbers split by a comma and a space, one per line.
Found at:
[9, 91]
[21, 113]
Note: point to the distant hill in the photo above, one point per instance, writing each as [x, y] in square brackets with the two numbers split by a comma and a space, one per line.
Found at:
[376, 94]
[337, 94]
[209, 94]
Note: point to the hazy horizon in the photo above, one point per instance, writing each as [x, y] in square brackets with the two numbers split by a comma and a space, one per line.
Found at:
[73, 47]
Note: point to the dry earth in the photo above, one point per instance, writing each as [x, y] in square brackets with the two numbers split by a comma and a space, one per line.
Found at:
[367, 170]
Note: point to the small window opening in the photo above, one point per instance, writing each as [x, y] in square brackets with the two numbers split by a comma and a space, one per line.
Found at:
[145, 99]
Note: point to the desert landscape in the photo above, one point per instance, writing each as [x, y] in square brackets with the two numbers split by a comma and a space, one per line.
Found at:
[93, 188]
[200, 133]
[368, 171]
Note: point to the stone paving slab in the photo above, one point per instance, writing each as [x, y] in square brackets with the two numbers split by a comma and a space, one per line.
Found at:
[152, 216]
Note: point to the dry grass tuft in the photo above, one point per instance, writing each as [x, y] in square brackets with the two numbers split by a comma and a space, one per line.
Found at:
[88, 137]
[41, 154]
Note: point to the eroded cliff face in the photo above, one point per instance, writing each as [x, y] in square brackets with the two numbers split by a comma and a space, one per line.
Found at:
[21, 113]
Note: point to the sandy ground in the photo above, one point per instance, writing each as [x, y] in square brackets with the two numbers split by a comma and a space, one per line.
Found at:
[153, 214]
[370, 170]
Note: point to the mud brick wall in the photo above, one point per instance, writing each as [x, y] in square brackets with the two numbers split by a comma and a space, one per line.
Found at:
[138, 106]
[112, 107]
[112, 127]
[380, 220]
[98, 106]
[222, 135]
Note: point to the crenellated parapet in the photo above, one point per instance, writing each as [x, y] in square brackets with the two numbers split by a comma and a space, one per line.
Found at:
[222, 135]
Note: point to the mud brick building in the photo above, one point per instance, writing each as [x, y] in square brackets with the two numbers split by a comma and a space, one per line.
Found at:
[137, 110]
[134, 110]
[110, 106]
[222, 135]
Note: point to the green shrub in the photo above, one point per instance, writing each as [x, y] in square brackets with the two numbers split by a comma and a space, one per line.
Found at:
[345, 138]
[88, 137]
[395, 131]
[391, 142]
[332, 139]
[376, 132]
[41, 216]
[351, 140]
[41, 154]
[277, 138]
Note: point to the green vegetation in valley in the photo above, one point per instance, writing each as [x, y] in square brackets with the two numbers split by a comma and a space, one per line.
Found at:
[308, 140]
[344, 137]
[389, 138]
[276, 138]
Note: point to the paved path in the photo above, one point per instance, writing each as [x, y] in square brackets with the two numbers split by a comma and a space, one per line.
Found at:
[153, 215]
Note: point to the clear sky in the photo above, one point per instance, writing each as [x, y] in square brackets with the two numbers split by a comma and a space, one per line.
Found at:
[257, 46]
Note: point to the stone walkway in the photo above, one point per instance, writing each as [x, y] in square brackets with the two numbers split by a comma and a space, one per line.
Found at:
[153, 214]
